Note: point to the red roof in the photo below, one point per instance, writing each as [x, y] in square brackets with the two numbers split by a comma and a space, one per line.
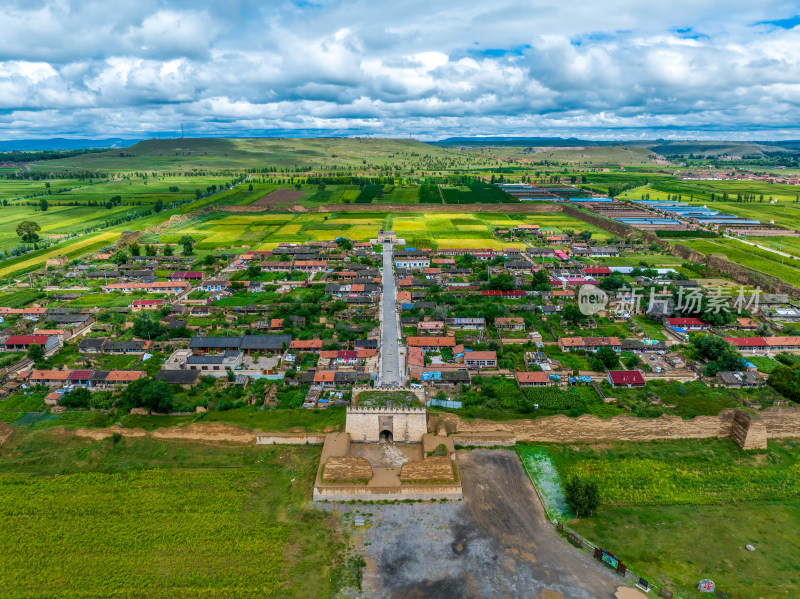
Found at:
[431, 342]
[80, 375]
[480, 355]
[152, 302]
[685, 322]
[27, 339]
[747, 341]
[597, 270]
[532, 377]
[305, 344]
[512, 293]
[626, 377]
[187, 274]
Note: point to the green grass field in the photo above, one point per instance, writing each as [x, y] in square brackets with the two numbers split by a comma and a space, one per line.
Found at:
[680, 511]
[57, 220]
[162, 519]
[784, 268]
[189, 153]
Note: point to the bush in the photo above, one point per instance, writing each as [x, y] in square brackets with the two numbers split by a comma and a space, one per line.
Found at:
[78, 398]
[149, 394]
[583, 497]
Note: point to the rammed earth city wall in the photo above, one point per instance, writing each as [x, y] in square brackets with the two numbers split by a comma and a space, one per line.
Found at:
[750, 431]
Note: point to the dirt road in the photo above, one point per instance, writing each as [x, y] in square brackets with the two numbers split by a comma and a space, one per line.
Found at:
[495, 543]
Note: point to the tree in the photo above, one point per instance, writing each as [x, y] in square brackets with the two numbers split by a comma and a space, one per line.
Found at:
[604, 358]
[28, 230]
[135, 249]
[573, 314]
[150, 394]
[78, 398]
[786, 381]
[36, 352]
[187, 241]
[541, 280]
[150, 250]
[250, 187]
[583, 497]
[168, 250]
[612, 283]
[502, 282]
[253, 271]
[43, 205]
[147, 327]
[119, 257]
[585, 235]
[159, 205]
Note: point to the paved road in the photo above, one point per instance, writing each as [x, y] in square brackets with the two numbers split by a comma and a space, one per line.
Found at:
[390, 326]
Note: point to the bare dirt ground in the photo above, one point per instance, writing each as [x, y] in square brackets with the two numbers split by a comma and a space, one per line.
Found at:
[279, 196]
[387, 455]
[495, 543]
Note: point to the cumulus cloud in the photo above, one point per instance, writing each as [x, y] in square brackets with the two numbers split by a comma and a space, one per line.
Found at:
[619, 68]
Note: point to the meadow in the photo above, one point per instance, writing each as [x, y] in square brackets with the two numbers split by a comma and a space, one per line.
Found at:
[190, 153]
[787, 269]
[57, 220]
[680, 511]
[162, 519]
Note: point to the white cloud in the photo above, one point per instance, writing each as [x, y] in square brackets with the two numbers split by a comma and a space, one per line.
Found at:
[453, 67]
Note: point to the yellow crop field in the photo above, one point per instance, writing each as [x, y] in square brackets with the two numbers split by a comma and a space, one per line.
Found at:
[73, 250]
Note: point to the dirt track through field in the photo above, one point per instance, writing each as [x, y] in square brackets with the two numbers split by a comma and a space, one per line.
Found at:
[495, 543]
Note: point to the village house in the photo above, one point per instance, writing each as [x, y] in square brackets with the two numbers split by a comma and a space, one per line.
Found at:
[142, 305]
[738, 380]
[480, 359]
[24, 342]
[533, 379]
[168, 287]
[435, 343]
[514, 323]
[466, 324]
[687, 324]
[187, 275]
[625, 378]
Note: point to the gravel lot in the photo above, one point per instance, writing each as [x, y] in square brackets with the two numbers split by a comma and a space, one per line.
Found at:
[494, 543]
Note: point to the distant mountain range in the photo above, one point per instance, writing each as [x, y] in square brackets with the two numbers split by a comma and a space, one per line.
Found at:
[660, 146]
[61, 143]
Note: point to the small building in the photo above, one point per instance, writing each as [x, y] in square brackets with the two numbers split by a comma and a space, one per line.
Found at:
[534, 379]
[214, 365]
[515, 323]
[466, 324]
[187, 275]
[480, 359]
[626, 378]
[184, 378]
[24, 342]
[141, 305]
[687, 324]
[738, 380]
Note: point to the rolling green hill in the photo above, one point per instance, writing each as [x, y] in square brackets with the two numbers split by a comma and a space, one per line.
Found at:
[205, 153]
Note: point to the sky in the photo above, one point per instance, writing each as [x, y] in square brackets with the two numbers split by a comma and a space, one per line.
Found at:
[610, 69]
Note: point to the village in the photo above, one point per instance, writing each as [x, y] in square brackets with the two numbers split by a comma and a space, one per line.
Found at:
[304, 320]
